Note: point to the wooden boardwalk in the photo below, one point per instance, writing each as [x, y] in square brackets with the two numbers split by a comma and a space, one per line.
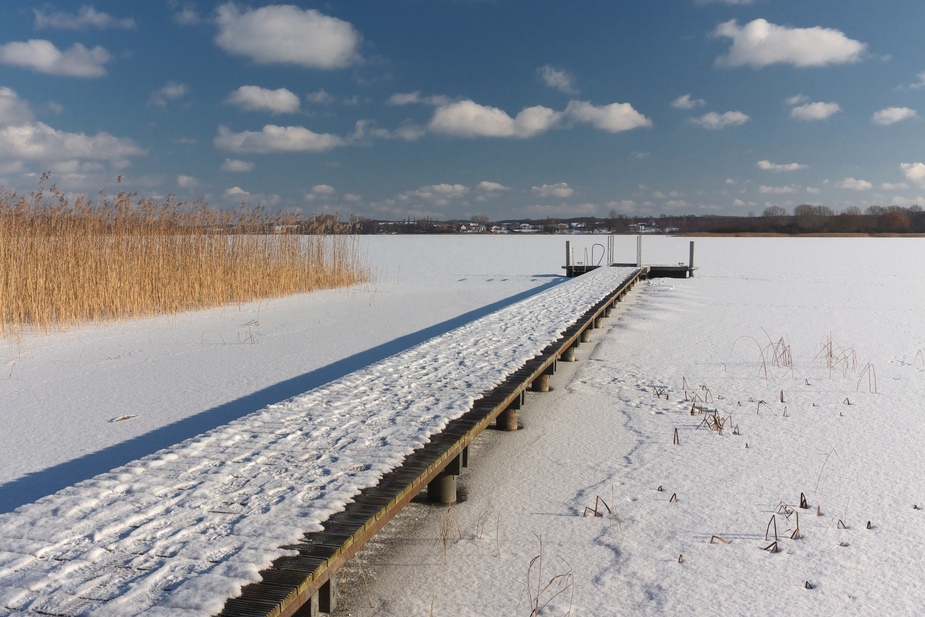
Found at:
[305, 584]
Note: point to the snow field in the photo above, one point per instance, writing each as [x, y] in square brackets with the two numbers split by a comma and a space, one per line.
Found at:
[186, 527]
[604, 432]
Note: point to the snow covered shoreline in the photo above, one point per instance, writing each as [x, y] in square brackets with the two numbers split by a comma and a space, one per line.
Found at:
[186, 527]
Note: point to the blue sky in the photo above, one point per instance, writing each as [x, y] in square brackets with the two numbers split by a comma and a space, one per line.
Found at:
[449, 108]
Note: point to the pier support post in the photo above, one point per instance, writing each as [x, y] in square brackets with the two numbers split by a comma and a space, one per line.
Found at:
[608, 311]
[507, 419]
[690, 267]
[598, 322]
[442, 489]
[585, 336]
[310, 608]
[327, 595]
[541, 383]
[638, 251]
[569, 354]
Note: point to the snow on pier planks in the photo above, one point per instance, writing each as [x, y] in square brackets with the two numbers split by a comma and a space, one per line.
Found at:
[181, 531]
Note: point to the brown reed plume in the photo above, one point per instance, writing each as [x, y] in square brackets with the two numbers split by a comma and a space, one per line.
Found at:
[65, 263]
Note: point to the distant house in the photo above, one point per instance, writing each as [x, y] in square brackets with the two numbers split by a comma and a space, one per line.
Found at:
[525, 228]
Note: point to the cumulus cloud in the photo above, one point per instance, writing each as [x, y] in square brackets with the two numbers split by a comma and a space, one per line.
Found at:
[491, 186]
[738, 202]
[560, 189]
[761, 43]
[715, 121]
[814, 111]
[892, 115]
[889, 186]
[920, 83]
[797, 99]
[236, 166]
[40, 142]
[42, 56]
[255, 98]
[186, 182]
[352, 198]
[13, 110]
[171, 92]
[915, 172]
[323, 189]
[408, 98]
[854, 185]
[685, 102]
[777, 190]
[86, 17]
[613, 118]
[555, 78]
[769, 166]
[287, 34]
[407, 131]
[436, 194]
[321, 97]
[469, 119]
[275, 139]
[236, 190]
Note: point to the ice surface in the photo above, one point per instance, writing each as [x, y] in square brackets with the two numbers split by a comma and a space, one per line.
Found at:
[184, 528]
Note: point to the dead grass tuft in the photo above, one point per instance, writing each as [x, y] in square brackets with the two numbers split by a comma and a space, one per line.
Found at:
[66, 263]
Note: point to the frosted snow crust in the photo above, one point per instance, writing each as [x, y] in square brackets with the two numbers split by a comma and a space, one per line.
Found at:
[178, 532]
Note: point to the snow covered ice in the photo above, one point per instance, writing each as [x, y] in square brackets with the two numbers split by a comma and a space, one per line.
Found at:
[853, 449]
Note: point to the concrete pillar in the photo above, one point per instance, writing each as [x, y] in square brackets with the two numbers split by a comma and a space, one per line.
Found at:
[608, 310]
[327, 595]
[541, 383]
[598, 322]
[311, 608]
[569, 354]
[585, 336]
[442, 489]
[507, 420]
[690, 266]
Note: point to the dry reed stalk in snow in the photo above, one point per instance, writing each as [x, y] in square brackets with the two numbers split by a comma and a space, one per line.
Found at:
[122, 256]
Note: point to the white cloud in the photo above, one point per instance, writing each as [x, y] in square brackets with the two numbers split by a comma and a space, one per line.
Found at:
[469, 119]
[730, 181]
[323, 189]
[777, 190]
[613, 118]
[560, 189]
[491, 186]
[13, 110]
[920, 83]
[407, 131]
[236, 166]
[40, 142]
[186, 182]
[236, 190]
[275, 139]
[351, 197]
[892, 115]
[796, 100]
[187, 15]
[437, 194]
[676, 203]
[685, 102]
[915, 172]
[854, 185]
[287, 34]
[255, 98]
[889, 186]
[812, 190]
[86, 17]
[42, 56]
[321, 97]
[171, 92]
[814, 111]
[560, 80]
[738, 202]
[760, 43]
[715, 121]
[769, 166]
[408, 98]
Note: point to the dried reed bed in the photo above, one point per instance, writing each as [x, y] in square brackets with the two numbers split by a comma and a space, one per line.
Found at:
[66, 263]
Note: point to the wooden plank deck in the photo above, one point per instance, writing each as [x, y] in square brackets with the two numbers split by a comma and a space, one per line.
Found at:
[292, 582]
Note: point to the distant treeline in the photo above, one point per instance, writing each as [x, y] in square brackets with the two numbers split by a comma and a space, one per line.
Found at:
[805, 219]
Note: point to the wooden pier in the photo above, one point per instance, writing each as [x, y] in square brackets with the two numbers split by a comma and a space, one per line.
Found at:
[680, 271]
[305, 584]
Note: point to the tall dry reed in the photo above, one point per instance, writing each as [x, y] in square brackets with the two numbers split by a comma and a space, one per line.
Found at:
[66, 263]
